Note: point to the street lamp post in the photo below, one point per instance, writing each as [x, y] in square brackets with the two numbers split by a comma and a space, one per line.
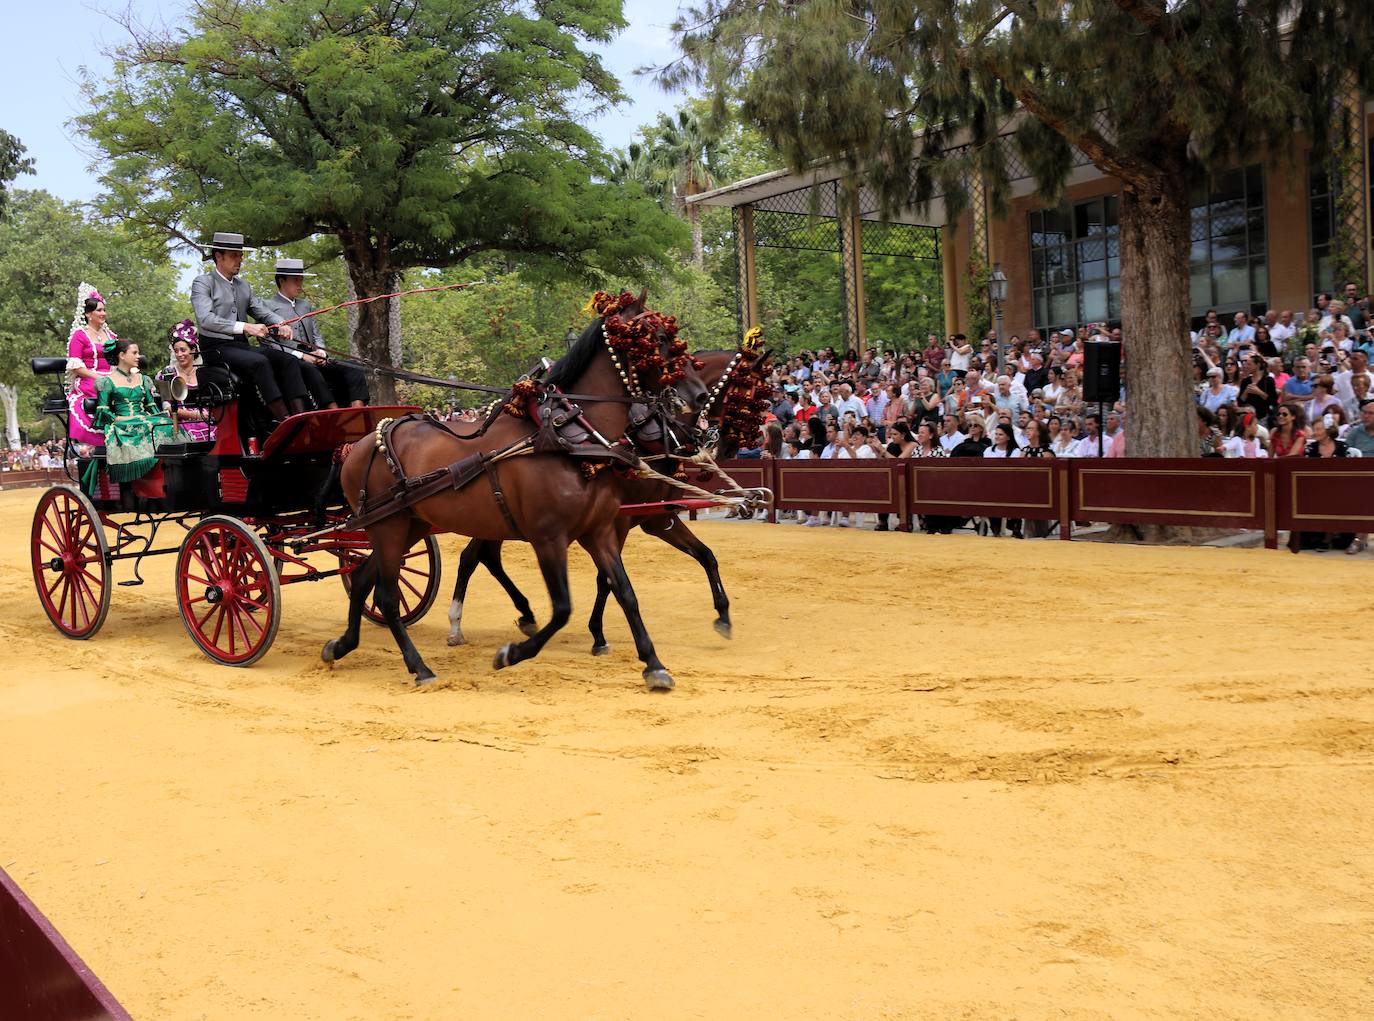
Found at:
[997, 291]
[571, 337]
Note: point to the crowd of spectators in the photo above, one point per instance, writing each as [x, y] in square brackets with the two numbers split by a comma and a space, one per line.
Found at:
[32, 456]
[1285, 385]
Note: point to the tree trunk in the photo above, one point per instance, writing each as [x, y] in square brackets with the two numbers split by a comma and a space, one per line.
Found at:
[1156, 350]
[371, 325]
[698, 245]
[9, 396]
[1157, 353]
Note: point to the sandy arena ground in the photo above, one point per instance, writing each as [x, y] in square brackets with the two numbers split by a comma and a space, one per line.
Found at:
[931, 777]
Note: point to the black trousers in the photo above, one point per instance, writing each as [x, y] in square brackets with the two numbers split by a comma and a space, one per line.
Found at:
[347, 382]
[315, 383]
[275, 374]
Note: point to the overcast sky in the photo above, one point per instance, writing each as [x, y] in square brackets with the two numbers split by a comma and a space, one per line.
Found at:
[47, 41]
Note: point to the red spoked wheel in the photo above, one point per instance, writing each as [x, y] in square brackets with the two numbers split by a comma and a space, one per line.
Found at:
[71, 566]
[227, 591]
[420, 573]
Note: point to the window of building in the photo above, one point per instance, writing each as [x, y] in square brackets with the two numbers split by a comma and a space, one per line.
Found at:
[1076, 257]
[1321, 213]
[1228, 261]
[1076, 264]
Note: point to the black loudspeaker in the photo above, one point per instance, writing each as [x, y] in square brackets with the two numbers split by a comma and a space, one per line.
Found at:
[1102, 371]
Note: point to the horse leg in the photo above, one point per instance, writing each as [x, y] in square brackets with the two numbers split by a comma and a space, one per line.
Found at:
[364, 580]
[467, 563]
[491, 559]
[486, 552]
[553, 564]
[605, 551]
[594, 623]
[390, 541]
[676, 534]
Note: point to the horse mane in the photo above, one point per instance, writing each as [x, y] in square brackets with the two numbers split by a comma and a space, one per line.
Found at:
[573, 365]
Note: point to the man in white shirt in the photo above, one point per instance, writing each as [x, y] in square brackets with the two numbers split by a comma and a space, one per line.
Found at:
[848, 402]
[950, 436]
[1359, 366]
[1007, 398]
[1282, 331]
[1087, 446]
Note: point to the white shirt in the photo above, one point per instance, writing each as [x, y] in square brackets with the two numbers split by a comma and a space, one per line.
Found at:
[960, 362]
[850, 403]
[865, 452]
[952, 440]
[1281, 334]
[994, 452]
[1064, 445]
[238, 327]
[1087, 447]
[834, 451]
[1235, 446]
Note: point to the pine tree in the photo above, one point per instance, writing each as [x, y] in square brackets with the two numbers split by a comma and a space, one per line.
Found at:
[914, 94]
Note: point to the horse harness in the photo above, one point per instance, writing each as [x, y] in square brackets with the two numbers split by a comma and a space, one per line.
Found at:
[560, 428]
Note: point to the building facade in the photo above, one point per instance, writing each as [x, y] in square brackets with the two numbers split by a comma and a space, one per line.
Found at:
[1269, 234]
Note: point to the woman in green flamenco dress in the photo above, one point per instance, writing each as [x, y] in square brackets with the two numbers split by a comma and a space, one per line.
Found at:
[128, 414]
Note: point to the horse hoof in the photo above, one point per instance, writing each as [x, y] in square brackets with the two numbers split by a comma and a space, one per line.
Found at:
[601, 650]
[424, 677]
[457, 640]
[503, 656]
[658, 680]
[327, 653]
[528, 628]
[724, 628]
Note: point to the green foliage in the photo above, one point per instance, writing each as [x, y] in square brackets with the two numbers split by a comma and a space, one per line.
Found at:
[47, 248]
[893, 87]
[418, 133]
[12, 164]
[977, 302]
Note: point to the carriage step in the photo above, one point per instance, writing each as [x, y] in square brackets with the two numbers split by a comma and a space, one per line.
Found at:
[130, 583]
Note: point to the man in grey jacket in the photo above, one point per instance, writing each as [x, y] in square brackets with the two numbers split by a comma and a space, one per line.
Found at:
[222, 302]
[332, 384]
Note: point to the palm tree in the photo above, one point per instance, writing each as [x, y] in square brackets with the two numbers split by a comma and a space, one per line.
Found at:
[681, 154]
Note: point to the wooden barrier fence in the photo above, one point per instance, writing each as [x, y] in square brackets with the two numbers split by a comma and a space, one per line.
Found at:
[28, 478]
[1261, 494]
[41, 976]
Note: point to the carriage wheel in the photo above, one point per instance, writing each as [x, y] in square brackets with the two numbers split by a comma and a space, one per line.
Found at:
[227, 591]
[70, 562]
[419, 581]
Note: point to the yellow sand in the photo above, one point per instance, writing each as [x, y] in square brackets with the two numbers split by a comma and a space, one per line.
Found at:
[941, 777]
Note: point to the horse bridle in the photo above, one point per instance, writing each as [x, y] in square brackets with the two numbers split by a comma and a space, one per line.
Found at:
[663, 406]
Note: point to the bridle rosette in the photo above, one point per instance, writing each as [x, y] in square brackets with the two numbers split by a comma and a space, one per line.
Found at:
[645, 347]
[746, 400]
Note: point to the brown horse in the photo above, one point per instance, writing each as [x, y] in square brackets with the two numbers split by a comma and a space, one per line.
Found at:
[544, 499]
[665, 526]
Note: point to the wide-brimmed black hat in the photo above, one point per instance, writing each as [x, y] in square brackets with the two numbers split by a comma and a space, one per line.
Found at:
[223, 241]
[291, 268]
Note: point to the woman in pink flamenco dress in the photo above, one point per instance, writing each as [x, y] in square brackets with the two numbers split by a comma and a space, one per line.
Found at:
[85, 365]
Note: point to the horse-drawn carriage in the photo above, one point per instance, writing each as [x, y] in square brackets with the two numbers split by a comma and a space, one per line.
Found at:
[244, 517]
[574, 447]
